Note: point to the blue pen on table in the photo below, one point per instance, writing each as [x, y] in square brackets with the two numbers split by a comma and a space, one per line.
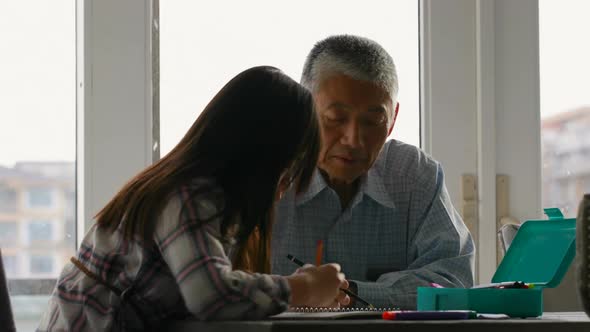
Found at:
[346, 291]
[429, 315]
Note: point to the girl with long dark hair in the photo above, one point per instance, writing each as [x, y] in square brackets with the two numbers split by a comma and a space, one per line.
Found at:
[187, 235]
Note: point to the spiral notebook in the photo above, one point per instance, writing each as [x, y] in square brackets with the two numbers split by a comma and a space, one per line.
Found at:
[332, 313]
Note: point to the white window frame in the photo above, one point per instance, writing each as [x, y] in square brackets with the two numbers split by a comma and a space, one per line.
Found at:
[114, 100]
[485, 123]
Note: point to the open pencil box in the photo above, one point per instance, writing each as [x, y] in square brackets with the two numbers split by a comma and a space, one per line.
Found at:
[540, 254]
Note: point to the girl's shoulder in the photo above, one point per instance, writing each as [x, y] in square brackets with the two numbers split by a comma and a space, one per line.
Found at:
[197, 201]
[201, 195]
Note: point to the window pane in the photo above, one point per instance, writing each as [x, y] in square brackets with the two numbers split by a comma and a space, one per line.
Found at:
[38, 135]
[10, 265]
[565, 102]
[40, 197]
[203, 44]
[7, 199]
[40, 230]
[8, 233]
[41, 264]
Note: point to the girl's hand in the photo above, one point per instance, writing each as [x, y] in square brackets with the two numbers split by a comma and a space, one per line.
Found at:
[318, 286]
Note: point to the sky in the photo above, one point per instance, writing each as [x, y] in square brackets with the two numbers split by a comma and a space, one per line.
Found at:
[564, 55]
[203, 47]
[194, 66]
[37, 81]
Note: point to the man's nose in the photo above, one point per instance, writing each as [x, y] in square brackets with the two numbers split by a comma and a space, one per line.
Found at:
[352, 135]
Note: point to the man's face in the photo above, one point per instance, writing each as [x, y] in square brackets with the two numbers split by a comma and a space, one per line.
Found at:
[356, 118]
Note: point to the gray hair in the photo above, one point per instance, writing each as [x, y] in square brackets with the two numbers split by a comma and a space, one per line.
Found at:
[357, 57]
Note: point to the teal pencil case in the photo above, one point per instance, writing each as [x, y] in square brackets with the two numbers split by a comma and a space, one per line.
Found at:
[540, 254]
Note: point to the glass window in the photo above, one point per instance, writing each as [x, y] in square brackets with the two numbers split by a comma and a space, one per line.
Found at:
[8, 202]
[40, 197]
[41, 264]
[37, 135]
[204, 44]
[41, 230]
[8, 233]
[565, 102]
[10, 265]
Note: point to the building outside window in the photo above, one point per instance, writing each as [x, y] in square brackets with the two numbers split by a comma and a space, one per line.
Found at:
[40, 197]
[7, 199]
[40, 230]
[41, 264]
[8, 233]
[10, 264]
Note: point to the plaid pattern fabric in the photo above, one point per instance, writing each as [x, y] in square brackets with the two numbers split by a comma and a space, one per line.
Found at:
[186, 271]
[400, 231]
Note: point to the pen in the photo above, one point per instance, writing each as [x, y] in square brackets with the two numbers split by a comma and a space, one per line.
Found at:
[429, 315]
[295, 260]
[505, 284]
[346, 291]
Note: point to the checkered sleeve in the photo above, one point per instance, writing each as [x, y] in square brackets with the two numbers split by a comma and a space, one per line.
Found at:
[440, 250]
[195, 254]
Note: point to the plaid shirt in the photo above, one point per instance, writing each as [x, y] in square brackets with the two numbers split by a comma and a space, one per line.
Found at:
[399, 232]
[185, 271]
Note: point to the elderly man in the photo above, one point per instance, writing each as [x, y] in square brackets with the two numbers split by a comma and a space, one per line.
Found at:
[380, 209]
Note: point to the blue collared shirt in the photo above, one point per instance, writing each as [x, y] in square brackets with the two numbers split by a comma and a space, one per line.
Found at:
[399, 232]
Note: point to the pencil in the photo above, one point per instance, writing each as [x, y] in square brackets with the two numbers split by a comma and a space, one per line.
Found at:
[319, 251]
[346, 291]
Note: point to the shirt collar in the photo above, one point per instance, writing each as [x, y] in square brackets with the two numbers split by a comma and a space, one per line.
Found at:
[371, 185]
[317, 184]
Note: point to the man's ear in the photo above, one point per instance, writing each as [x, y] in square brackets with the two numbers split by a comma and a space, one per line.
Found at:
[394, 118]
